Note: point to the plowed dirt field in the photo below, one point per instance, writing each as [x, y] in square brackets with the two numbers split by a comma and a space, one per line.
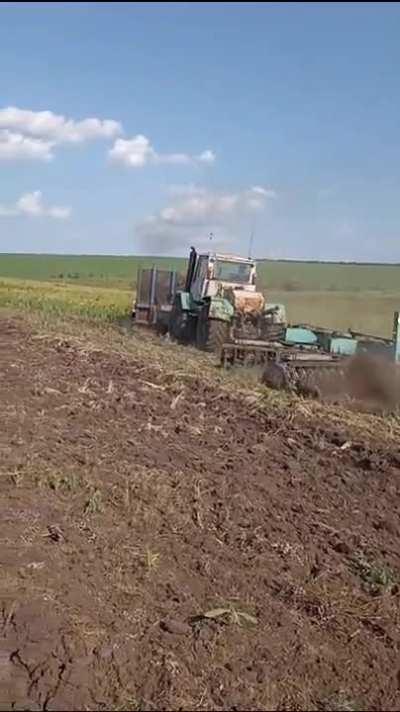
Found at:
[167, 545]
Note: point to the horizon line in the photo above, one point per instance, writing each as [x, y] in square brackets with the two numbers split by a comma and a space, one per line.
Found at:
[181, 257]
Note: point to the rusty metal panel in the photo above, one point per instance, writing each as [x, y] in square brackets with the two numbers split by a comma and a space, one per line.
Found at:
[156, 289]
[156, 286]
[163, 294]
[143, 307]
[143, 288]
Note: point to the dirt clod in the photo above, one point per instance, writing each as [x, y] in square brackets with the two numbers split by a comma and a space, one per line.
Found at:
[176, 627]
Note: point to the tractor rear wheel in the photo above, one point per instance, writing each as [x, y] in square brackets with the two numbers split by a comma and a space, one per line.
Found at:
[178, 322]
[211, 334]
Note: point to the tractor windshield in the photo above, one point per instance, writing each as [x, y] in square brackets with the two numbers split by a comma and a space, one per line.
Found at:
[238, 272]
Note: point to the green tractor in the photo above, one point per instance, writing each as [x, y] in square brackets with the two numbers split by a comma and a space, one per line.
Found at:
[218, 301]
[217, 307]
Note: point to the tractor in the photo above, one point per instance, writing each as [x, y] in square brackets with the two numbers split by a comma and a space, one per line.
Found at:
[217, 307]
[217, 302]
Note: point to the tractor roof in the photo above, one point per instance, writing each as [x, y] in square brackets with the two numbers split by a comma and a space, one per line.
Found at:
[230, 258]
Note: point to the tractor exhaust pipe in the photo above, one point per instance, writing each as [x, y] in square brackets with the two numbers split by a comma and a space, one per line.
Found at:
[190, 269]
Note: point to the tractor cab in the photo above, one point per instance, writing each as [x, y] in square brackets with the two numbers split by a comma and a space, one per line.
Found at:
[210, 274]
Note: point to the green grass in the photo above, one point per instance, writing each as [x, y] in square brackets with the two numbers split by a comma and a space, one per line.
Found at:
[329, 277]
[82, 269]
[369, 312]
[377, 577]
[121, 272]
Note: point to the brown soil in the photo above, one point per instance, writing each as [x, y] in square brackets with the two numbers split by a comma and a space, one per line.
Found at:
[134, 501]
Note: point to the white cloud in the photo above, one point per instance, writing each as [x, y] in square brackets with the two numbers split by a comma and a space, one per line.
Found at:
[59, 213]
[200, 208]
[135, 152]
[56, 128]
[31, 205]
[257, 195]
[32, 135]
[266, 192]
[15, 146]
[206, 157]
[138, 151]
[195, 204]
[196, 212]
[27, 134]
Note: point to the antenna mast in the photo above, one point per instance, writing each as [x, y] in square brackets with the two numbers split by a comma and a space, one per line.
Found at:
[251, 240]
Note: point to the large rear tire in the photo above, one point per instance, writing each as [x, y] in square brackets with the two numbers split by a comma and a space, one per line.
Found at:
[178, 322]
[211, 334]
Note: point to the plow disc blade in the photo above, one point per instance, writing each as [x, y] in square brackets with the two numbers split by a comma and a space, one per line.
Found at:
[311, 382]
[360, 378]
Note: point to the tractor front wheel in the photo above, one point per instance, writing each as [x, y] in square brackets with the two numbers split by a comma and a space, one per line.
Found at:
[211, 334]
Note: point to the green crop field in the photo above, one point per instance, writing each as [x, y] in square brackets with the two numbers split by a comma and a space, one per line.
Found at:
[121, 272]
[83, 269]
[370, 312]
[361, 297]
[329, 277]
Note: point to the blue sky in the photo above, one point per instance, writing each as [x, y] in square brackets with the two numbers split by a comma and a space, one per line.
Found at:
[222, 118]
